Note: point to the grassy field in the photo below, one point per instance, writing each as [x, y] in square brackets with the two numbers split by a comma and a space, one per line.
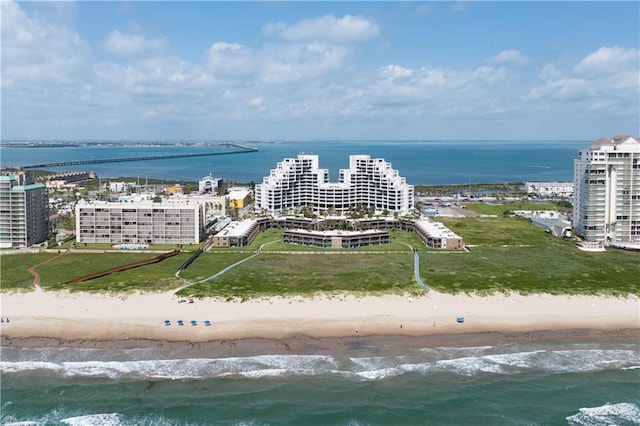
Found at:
[555, 269]
[507, 254]
[13, 269]
[64, 267]
[302, 274]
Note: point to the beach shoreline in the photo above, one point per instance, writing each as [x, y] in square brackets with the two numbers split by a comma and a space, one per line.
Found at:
[61, 319]
[304, 345]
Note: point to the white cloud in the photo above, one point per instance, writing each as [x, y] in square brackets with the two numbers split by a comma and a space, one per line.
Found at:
[550, 72]
[329, 28]
[165, 76]
[562, 89]
[433, 77]
[395, 71]
[54, 83]
[432, 91]
[608, 60]
[607, 73]
[121, 44]
[37, 51]
[509, 57]
[287, 63]
[230, 60]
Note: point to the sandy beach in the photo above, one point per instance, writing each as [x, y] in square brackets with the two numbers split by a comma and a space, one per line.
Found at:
[70, 317]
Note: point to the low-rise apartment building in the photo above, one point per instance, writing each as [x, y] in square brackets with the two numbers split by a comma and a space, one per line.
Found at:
[142, 222]
[236, 234]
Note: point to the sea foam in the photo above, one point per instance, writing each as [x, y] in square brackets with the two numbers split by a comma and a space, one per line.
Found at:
[464, 362]
[609, 414]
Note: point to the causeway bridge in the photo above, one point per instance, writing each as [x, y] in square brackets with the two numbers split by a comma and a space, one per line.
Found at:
[239, 149]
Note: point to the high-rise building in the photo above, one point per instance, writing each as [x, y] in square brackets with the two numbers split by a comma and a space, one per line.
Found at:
[606, 204]
[369, 183]
[24, 212]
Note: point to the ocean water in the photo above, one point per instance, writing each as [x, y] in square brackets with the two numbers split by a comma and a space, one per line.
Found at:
[420, 162]
[532, 383]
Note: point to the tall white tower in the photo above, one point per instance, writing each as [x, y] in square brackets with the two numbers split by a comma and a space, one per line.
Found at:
[607, 191]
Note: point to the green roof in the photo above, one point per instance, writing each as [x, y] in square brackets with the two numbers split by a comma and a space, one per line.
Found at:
[28, 187]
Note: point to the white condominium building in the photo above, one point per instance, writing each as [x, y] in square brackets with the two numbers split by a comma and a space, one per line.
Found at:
[24, 212]
[368, 183]
[607, 191]
[143, 222]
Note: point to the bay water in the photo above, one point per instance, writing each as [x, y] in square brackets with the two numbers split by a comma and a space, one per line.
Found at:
[420, 162]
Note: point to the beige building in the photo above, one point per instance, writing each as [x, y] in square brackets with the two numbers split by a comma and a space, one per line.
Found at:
[236, 234]
[436, 235]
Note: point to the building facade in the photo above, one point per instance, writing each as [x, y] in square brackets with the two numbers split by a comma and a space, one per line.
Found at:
[141, 222]
[369, 183]
[549, 189]
[607, 191]
[236, 234]
[24, 212]
[209, 184]
[336, 239]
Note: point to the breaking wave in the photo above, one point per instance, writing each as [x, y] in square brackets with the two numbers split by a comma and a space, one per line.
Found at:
[458, 361]
[608, 414]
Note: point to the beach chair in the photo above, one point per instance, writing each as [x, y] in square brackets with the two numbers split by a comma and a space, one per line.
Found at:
[207, 323]
[194, 322]
[180, 322]
[167, 322]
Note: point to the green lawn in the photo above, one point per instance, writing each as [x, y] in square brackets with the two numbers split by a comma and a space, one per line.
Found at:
[209, 263]
[62, 268]
[507, 254]
[554, 269]
[510, 254]
[13, 270]
[499, 231]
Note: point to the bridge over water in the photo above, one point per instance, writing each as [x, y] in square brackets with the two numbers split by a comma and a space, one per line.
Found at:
[240, 149]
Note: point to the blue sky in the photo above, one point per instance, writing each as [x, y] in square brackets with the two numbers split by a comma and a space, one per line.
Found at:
[320, 70]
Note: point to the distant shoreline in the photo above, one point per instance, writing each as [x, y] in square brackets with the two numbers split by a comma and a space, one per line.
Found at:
[419, 162]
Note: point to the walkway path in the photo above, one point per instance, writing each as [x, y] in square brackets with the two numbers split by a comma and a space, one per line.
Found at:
[214, 275]
[416, 267]
[36, 275]
[416, 270]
